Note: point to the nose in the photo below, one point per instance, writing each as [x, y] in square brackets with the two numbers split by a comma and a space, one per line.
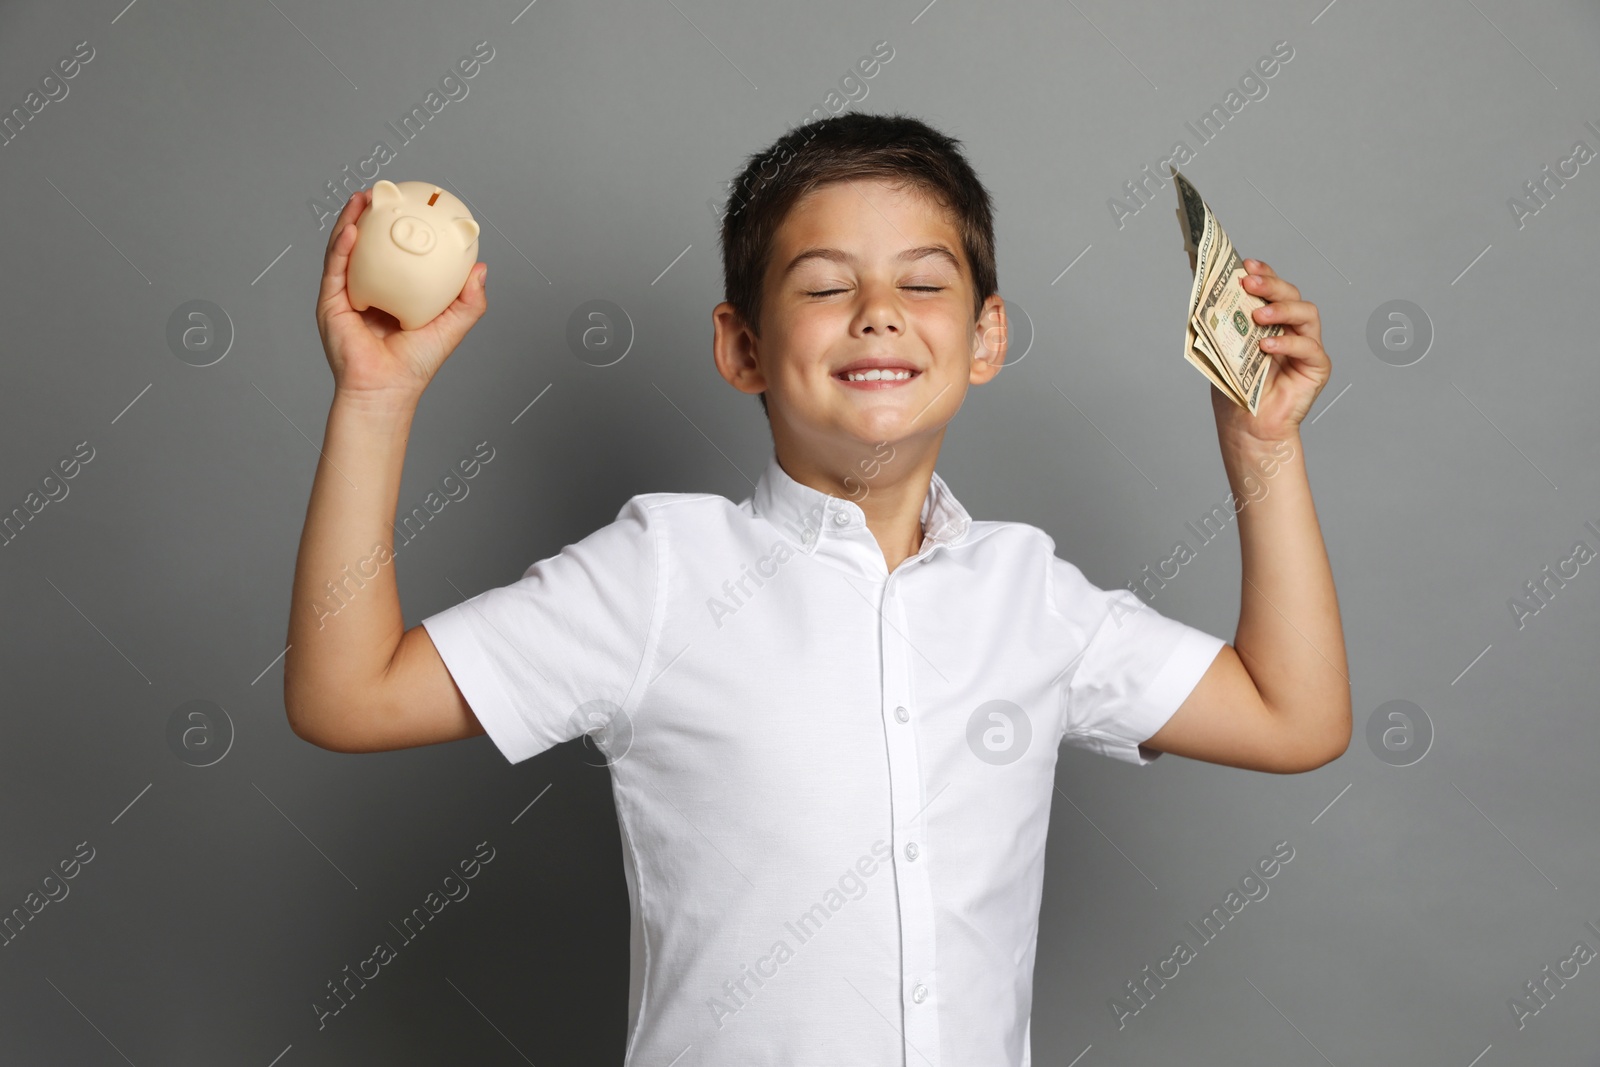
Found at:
[879, 315]
[413, 235]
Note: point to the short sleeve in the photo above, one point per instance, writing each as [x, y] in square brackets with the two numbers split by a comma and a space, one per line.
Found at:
[1134, 668]
[553, 655]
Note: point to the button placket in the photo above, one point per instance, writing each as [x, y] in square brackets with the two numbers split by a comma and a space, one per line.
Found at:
[912, 884]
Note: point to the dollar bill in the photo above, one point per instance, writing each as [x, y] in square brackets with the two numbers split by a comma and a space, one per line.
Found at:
[1221, 337]
[1200, 235]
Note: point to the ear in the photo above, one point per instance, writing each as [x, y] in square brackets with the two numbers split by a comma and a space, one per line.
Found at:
[386, 193]
[733, 350]
[467, 229]
[990, 340]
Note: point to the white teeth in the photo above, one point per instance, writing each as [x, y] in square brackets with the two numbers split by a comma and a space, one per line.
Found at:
[878, 375]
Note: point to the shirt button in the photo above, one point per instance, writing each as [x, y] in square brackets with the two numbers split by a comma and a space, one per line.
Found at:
[842, 518]
[901, 713]
[911, 850]
[919, 993]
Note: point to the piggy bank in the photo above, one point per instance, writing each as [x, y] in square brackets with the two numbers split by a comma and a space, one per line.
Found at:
[415, 246]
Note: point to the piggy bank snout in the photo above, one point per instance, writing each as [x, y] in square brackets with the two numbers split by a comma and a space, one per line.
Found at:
[413, 235]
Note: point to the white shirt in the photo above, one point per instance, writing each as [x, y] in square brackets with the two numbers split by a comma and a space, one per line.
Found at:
[832, 782]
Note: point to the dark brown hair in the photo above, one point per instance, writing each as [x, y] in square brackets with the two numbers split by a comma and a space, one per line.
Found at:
[841, 148]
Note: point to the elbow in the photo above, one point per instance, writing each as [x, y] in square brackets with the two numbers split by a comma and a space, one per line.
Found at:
[300, 725]
[308, 714]
[1339, 742]
[321, 740]
[305, 727]
[1323, 756]
[1310, 749]
[1330, 751]
[334, 724]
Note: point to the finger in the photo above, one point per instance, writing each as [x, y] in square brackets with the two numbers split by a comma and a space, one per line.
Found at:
[1304, 350]
[468, 307]
[336, 266]
[352, 210]
[346, 221]
[337, 261]
[474, 294]
[1288, 313]
[1269, 287]
[1255, 266]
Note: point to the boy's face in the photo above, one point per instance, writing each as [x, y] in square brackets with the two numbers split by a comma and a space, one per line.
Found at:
[857, 272]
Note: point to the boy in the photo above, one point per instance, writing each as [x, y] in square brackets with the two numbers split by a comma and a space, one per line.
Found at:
[832, 711]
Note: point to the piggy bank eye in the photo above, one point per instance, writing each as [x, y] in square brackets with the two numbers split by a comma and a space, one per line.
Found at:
[413, 235]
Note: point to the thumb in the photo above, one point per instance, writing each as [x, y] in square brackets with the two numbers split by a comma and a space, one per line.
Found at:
[468, 307]
[432, 344]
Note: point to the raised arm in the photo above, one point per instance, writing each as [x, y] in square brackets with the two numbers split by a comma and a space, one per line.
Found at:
[1278, 698]
[354, 679]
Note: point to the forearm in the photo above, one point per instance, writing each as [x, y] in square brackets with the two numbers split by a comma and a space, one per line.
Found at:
[1289, 637]
[344, 612]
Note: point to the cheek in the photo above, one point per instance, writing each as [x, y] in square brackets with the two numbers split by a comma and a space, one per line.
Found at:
[793, 360]
[947, 327]
[809, 337]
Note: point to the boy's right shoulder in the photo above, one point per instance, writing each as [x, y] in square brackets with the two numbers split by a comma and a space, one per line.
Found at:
[675, 523]
[694, 515]
[662, 504]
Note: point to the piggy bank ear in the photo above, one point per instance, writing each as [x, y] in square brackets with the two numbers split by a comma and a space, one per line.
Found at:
[386, 193]
[467, 229]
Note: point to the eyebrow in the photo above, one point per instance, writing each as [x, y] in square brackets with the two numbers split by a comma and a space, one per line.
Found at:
[836, 255]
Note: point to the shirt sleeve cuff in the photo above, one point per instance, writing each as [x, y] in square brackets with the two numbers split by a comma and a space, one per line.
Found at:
[1182, 671]
[475, 676]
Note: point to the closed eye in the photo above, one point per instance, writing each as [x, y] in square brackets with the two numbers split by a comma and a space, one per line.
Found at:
[918, 288]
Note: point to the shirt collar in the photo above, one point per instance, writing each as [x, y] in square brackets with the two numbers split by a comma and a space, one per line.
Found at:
[808, 515]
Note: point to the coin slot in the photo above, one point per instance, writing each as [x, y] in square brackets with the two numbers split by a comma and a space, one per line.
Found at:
[434, 197]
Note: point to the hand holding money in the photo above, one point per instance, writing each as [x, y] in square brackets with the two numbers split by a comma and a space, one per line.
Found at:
[1248, 330]
[1221, 339]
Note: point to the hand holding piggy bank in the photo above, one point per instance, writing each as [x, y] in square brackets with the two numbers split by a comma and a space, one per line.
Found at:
[415, 246]
[373, 356]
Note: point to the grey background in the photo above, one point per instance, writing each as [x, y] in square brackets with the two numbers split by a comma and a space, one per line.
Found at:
[222, 898]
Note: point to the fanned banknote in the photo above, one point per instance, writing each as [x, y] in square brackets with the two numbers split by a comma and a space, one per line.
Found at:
[1221, 338]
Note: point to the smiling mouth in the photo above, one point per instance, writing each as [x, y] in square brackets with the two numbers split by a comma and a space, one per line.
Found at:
[877, 379]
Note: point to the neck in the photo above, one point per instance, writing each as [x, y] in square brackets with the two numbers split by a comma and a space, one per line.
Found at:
[888, 482]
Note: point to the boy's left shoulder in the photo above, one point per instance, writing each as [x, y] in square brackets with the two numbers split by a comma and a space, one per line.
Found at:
[1008, 533]
[1002, 538]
